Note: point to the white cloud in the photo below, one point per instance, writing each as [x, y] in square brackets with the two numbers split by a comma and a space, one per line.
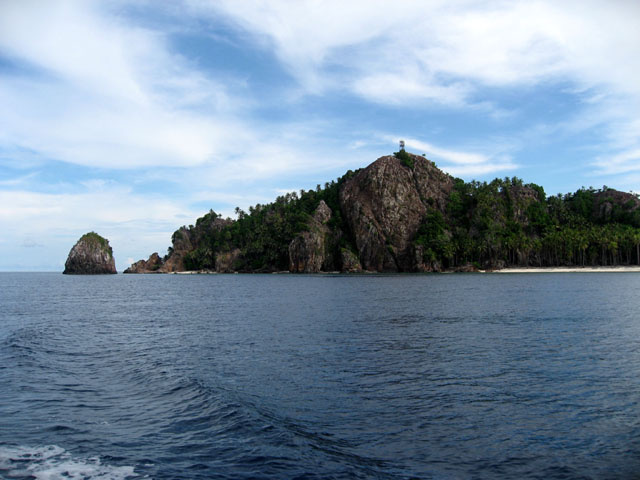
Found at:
[305, 34]
[74, 43]
[453, 156]
[94, 131]
[47, 211]
[102, 92]
[17, 181]
[462, 163]
[421, 46]
[623, 162]
[407, 85]
[141, 94]
[489, 168]
[409, 53]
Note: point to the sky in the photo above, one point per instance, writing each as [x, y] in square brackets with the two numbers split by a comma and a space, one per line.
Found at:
[131, 119]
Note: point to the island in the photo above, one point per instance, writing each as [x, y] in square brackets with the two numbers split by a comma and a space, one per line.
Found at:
[91, 255]
[403, 214]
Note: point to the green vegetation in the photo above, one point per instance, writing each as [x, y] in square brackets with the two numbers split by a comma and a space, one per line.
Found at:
[264, 233]
[507, 223]
[94, 238]
[405, 158]
[433, 237]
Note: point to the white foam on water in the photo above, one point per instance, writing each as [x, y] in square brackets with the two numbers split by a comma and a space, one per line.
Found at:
[52, 462]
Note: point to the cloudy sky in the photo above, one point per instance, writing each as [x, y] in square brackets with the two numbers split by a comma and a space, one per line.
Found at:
[134, 118]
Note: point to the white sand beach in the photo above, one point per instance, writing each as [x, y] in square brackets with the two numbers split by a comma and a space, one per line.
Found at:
[617, 269]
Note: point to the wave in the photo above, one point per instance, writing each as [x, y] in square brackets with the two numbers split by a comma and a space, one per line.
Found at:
[50, 462]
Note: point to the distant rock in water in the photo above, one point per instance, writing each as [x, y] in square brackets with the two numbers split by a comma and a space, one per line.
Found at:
[90, 255]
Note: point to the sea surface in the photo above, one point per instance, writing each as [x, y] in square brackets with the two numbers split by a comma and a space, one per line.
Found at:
[460, 376]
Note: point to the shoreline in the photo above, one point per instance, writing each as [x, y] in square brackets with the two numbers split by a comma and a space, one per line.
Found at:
[615, 269]
[600, 269]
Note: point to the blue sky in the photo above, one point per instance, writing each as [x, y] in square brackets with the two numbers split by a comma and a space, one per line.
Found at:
[134, 118]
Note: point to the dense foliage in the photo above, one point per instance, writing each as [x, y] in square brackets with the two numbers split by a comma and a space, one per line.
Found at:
[507, 223]
[99, 241]
[405, 158]
[263, 234]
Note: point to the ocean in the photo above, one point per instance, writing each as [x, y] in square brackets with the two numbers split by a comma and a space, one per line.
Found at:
[433, 376]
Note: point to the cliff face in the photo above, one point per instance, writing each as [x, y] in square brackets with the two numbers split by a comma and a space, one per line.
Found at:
[90, 255]
[384, 205]
[309, 251]
[181, 244]
[187, 240]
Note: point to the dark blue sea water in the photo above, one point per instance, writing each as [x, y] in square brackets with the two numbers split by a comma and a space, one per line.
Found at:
[318, 377]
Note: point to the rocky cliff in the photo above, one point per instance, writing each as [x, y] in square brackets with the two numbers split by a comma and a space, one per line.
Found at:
[90, 255]
[384, 205]
[309, 252]
[152, 265]
[186, 241]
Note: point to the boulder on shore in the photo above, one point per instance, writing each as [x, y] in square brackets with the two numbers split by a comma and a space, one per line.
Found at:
[91, 255]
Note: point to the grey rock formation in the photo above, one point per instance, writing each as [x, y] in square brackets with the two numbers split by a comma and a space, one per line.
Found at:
[384, 205]
[349, 261]
[181, 244]
[187, 239]
[91, 254]
[308, 251]
[152, 265]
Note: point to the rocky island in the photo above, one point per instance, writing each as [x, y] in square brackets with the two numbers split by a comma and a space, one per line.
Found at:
[403, 214]
[91, 255]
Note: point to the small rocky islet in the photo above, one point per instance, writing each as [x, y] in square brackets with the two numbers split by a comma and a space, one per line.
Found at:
[403, 214]
[91, 255]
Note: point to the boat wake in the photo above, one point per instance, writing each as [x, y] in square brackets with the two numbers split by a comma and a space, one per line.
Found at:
[51, 461]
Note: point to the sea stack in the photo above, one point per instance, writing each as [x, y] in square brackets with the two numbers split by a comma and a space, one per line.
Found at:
[90, 255]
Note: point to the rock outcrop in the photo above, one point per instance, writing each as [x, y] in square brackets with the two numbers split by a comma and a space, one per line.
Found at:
[384, 205]
[226, 261]
[181, 244]
[90, 255]
[308, 252]
[152, 265]
[186, 240]
[611, 203]
[349, 261]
